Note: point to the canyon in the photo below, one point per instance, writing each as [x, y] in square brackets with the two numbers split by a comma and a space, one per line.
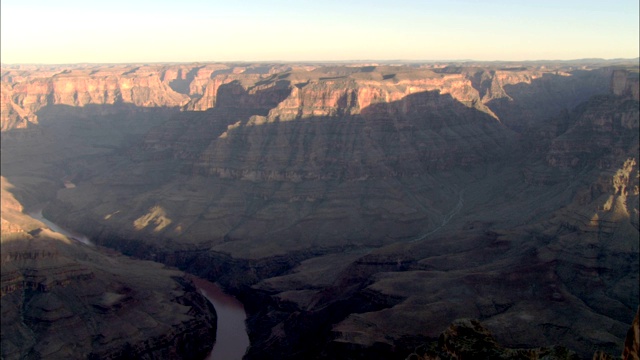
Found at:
[356, 210]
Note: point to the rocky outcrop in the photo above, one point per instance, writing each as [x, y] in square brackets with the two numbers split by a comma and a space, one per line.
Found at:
[602, 133]
[625, 83]
[78, 87]
[13, 116]
[632, 342]
[468, 339]
[63, 299]
[603, 129]
[322, 93]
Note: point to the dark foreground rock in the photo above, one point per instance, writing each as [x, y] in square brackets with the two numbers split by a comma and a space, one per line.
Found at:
[632, 343]
[63, 299]
[468, 339]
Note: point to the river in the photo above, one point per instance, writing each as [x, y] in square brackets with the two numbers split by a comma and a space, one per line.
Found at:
[232, 340]
[37, 214]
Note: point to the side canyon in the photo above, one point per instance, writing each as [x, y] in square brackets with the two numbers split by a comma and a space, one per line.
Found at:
[356, 210]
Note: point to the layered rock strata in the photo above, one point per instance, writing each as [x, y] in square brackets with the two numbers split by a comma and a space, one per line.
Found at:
[316, 90]
[360, 209]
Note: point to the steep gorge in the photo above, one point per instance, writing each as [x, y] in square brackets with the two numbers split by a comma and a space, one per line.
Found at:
[355, 209]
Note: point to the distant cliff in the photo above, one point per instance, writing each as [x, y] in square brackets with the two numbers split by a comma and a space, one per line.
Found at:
[25, 93]
[313, 90]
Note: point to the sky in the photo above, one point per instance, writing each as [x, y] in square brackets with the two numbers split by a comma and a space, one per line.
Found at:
[121, 31]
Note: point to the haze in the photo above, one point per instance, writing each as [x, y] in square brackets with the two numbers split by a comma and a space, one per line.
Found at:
[165, 31]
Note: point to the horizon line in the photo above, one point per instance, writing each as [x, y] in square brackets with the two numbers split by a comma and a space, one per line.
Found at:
[354, 61]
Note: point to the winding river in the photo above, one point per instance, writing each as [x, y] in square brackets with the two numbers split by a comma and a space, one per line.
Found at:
[232, 340]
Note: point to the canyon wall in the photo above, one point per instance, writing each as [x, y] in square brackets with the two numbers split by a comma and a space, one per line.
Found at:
[316, 90]
[355, 209]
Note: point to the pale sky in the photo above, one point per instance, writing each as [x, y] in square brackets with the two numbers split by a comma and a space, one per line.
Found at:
[119, 31]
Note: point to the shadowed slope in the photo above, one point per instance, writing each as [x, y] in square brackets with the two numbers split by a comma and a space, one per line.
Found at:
[63, 299]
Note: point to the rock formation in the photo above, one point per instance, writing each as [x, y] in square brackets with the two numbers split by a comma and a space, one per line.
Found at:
[468, 339]
[63, 299]
[632, 342]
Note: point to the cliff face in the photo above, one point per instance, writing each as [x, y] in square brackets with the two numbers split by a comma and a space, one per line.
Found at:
[604, 128]
[372, 104]
[389, 140]
[27, 89]
[139, 86]
[625, 83]
[325, 91]
[602, 133]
